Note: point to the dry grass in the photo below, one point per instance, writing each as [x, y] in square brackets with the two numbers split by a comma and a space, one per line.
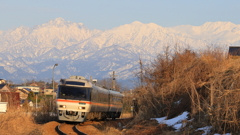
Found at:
[204, 83]
[126, 115]
[111, 131]
[46, 113]
[18, 122]
[112, 127]
[26, 120]
[148, 127]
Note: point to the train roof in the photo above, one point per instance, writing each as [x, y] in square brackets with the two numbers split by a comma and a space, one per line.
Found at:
[77, 77]
[76, 82]
[112, 92]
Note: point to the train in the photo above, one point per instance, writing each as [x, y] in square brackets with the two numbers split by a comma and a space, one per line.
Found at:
[79, 99]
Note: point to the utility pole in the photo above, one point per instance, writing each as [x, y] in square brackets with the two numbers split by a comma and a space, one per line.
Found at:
[53, 75]
[113, 81]
[91, 79]
[36, 104]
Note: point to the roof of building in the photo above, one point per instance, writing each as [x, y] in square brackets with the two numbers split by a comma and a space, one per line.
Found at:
[27, 89]
[33, 84]
[24, 91]
[28, 86]
[5, 87]
[2, 85]
[234, 50]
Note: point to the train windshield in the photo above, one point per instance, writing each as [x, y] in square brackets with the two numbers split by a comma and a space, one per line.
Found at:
[77, 93]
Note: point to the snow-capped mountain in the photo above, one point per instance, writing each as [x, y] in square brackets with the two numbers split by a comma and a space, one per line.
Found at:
[30, 53]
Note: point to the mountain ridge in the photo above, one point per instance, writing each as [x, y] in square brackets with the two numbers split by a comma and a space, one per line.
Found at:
[81, 51]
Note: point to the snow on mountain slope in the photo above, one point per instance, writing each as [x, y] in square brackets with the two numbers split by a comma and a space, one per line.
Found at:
[136, 34]
[56, 33]
[80, 51]
[212, 32]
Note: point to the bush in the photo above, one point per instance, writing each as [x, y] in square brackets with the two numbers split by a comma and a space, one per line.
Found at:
[205, 83]
[46, 112]
[17, 122]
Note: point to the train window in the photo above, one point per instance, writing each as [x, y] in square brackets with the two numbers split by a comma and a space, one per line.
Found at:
[79, 93]
[75, 83]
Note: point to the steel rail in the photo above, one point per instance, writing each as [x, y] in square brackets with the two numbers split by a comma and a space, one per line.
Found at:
[59, 131]
[78, 131]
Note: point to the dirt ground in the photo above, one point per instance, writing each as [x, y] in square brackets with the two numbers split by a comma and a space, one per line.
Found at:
[89, 129]
[49, 128]
[16, 124]
[108, 127]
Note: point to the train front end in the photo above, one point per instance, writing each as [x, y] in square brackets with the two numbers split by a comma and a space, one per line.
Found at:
[73, 100]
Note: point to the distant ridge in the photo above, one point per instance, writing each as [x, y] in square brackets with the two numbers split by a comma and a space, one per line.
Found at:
[30, 53]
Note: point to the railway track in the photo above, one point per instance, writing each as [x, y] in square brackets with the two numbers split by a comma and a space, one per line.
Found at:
[69, 129]
[86, 128]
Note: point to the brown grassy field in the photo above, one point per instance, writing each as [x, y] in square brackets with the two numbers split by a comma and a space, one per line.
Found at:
[17, 122]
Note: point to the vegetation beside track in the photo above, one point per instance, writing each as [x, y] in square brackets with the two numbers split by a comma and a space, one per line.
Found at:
[205, 83]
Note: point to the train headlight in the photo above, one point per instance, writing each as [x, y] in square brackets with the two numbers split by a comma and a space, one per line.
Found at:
[62, 106]
[83, 114]
[81, 108]
[60, 112]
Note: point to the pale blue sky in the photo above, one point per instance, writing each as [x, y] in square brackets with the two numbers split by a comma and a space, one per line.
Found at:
[107, 14]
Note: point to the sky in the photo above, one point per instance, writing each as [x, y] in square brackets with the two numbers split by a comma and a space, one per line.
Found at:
[107, 14]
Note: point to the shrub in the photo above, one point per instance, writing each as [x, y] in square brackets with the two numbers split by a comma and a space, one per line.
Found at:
[205, 83]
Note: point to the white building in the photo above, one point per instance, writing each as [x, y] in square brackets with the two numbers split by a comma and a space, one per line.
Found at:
[34, 89]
